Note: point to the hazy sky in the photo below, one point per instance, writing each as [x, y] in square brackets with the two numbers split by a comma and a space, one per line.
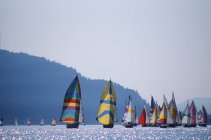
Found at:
[154, 47]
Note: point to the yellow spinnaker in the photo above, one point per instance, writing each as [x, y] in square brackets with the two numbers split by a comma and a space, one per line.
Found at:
[107, 106]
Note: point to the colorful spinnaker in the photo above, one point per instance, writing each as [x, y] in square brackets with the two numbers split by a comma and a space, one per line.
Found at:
[144, 120]
[153, 120]
[42, 122]
[29, 122]
[107, 107]
[162, 120]
[71, 106]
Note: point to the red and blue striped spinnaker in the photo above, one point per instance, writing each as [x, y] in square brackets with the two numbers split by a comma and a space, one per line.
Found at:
[71, 106]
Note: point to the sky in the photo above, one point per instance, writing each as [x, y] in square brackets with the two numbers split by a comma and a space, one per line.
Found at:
[154, 47]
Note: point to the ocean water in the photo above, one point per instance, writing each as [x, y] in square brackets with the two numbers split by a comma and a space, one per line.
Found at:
[97, 132]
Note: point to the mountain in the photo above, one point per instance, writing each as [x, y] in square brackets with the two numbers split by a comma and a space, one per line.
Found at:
[34, 87]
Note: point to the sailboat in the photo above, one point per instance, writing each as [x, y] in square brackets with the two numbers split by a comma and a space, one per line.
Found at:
[130, 115]
[144, 120]
[162, 120]
[81, 115]
[170, 121]
[53, 123]
[192, 114]
[125, 113]
[107, 107]
[203, 119]
[153, 120]
[29, 122]
[174, 112]
[42, 122]
[16, 122]
[153, 105]
[71, 106]
[1, 121]
[186, 116]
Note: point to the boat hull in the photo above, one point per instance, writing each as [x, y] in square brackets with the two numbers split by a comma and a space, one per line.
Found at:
[129, 125]
[193, 125]
[171, 125]
[203, 125]
[74, 125]
[163, 126]
[108, 126]
[186, 125]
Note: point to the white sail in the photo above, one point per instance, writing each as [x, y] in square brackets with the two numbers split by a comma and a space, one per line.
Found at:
[186, 115]
[125, 112]
[16, 122]
[42, 122]
[169, 116]
[130, 117]
[53, 122]
[81, 114]
[28, 122]
[147, 116]
[178, 119]
[165, 102]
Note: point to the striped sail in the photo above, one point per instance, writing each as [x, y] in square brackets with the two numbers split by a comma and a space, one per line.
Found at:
[163, 115]
[71, 107]
[107, 106]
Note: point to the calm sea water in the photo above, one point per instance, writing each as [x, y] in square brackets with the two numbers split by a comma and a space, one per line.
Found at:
[97, 132]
